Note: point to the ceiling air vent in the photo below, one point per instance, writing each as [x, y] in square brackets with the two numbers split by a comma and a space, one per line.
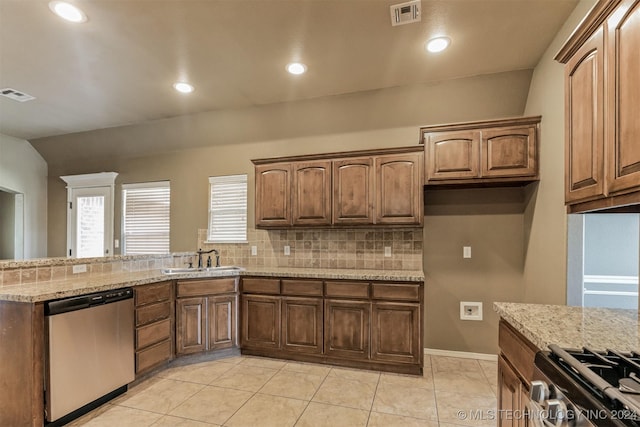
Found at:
[15, 95]
[405, 13]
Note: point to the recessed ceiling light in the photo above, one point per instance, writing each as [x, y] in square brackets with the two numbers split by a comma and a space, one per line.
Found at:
[67, 11]
[296, 68]
[438, 44]
[183, 87]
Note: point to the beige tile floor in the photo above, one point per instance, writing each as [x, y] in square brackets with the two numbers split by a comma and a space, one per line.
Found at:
[249, 391]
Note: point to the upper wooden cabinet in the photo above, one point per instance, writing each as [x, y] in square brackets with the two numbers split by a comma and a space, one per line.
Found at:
[353, 191]
[396, 175]
[273, 194]
[339, 189]
[602, 153]
[486, 152]
[312, 193]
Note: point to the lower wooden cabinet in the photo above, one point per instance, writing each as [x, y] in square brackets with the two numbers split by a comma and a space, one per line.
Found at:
[396, 332]
[510, 395]
[351, 323]
[347, 326]
[515, 371]
[302, 325]
[154, 325]
[260, 321]
[209, 321]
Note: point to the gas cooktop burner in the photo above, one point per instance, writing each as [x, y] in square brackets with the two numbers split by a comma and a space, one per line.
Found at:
[603, 386]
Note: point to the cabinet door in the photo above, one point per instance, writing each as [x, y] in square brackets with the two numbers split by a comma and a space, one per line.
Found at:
[302, 325]
[509, 396]
[623, 95]
[396, 332]
[312, 193]
[260, 321]
[509, 151]
[452, 155]
[347, 328]
[399, 189]
[190, 326]
[273, 195]
[221, 321]
[353, 191]
[584, 131]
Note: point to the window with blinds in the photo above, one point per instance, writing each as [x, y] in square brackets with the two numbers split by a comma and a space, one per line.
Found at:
[145, 218]
[227, 209]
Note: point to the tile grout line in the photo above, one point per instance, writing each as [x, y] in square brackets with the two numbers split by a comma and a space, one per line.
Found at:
[314, 395]
[375, 392]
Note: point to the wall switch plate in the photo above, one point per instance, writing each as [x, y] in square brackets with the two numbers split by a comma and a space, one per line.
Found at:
[116, 243]
[287, 250]
[254, 250]
[470, 310]
[466, 252]
[80, 268]
[387, 251]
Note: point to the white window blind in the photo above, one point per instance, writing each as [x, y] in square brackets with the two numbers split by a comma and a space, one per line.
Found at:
[227, 208]
[145, 218]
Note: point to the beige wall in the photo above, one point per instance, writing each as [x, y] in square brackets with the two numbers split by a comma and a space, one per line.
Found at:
[378, 119]
[23, 170]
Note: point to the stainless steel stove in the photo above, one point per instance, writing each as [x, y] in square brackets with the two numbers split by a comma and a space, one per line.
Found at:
[585, 388]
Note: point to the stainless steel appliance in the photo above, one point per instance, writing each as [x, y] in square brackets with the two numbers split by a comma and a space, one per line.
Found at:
[90, 351]
[585, 388]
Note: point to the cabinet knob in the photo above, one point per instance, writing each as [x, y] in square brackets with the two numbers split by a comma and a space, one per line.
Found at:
[539, 391]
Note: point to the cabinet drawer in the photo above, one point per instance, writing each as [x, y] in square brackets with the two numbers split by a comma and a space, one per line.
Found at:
[517, 349]
[192, 288]
[153, 333]
[260, 286]
[302, 287]
[347, 289]
[153, 293]
[153, 356]
[395, 292]
[153, 312]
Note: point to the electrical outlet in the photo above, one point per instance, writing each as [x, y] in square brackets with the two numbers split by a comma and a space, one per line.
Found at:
[470, 310]
[466, 252]
[254, 250]
[116, 243]
[79, 268]
[287, 250]
[387, 251]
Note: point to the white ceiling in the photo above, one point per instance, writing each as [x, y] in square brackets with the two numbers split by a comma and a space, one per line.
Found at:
[118, 68]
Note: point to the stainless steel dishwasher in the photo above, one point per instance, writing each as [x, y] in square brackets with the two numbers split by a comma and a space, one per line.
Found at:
[90, 352]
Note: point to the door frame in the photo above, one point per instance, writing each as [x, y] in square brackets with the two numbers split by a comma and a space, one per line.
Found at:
[97, 181]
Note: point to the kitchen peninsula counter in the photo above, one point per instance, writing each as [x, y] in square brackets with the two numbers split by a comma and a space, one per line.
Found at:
[573, 327]
[87, 283]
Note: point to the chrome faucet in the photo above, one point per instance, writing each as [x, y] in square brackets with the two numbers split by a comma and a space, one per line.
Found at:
[200, 252]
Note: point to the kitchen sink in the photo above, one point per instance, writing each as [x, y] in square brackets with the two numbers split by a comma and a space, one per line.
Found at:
[183, 270]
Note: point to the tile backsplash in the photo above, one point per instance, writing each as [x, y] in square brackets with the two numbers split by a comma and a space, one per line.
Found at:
[314, 248]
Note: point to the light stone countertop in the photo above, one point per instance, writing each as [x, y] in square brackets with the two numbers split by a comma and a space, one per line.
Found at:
[89, 283]
[573, 327]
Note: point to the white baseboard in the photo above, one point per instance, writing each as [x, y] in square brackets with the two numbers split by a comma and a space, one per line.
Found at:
[461, 354]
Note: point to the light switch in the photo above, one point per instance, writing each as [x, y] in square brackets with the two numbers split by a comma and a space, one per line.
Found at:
[287, 250]
[466, 252]
[387, 251]
[116, 243]
[254, 250]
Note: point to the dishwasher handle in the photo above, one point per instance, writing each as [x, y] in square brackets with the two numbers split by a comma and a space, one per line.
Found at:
[81, 302]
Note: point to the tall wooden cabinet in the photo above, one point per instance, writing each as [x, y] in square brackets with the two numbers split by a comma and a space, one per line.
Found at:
[381, 187]
[602, 130]
[485, 152]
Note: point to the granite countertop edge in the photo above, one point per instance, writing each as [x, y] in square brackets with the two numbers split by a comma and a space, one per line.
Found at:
[573, 327]
[63, 288]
